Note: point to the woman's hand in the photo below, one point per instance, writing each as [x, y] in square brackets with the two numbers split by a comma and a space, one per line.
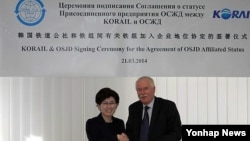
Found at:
[122, 137]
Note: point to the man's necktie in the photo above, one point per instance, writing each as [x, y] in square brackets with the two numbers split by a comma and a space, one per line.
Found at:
[145, 125]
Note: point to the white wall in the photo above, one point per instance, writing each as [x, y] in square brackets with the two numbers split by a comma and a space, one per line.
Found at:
[55, 109]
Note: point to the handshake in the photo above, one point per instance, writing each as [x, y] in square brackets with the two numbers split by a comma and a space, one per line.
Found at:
[122, 137]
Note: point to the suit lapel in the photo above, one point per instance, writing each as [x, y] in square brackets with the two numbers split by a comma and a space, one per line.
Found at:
[138, 119]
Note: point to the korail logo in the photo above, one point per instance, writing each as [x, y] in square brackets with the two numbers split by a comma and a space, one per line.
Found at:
[30, 12]
[231, 14]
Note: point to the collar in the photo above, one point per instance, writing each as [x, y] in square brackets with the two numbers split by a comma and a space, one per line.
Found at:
[150, 104]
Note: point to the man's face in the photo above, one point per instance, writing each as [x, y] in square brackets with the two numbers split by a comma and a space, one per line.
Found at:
[145, 91]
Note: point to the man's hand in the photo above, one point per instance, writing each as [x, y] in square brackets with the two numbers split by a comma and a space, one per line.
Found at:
[122, 137]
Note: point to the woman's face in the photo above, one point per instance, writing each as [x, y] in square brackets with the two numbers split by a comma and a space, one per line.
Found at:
[108, 107]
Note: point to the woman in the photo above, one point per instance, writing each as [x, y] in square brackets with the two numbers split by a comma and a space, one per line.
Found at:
[105, 127]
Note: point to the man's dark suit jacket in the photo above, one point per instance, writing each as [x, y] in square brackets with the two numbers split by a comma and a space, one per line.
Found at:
[165, 124]
[98, 130]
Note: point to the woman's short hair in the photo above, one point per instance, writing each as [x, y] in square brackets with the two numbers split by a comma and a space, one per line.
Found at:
[104, 93]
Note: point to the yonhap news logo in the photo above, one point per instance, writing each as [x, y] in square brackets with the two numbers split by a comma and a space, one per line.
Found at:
[231, 14]
[30, 12]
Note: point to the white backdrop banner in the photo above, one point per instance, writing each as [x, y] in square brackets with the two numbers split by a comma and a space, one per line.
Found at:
[124, 38]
